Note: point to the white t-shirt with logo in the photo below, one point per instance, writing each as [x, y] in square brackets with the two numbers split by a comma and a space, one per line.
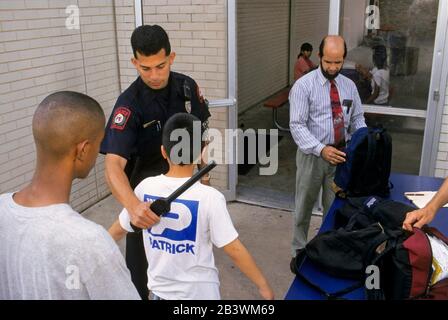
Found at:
[179, 248]
[381, 77]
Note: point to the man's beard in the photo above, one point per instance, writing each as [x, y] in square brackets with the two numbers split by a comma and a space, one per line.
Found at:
[326, 74]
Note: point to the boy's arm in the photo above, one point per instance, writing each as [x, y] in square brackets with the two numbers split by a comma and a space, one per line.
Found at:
[244, 261]
[116, 231]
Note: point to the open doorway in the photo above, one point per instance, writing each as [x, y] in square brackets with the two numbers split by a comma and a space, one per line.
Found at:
[269, 35]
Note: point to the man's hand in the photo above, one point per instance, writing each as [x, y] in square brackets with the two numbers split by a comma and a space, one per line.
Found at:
[332, 155]
[141, 216]
[418, 218]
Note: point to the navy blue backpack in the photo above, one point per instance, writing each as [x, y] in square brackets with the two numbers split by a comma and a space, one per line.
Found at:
[366, 170]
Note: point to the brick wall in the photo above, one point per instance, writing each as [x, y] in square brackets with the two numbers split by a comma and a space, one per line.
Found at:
[442, 154]
[125, 24]
[263, 43]
[38, 56]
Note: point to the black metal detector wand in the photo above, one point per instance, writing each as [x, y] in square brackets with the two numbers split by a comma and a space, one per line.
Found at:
[163, 205]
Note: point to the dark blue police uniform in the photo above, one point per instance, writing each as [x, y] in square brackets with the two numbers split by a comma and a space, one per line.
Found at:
[134, 132]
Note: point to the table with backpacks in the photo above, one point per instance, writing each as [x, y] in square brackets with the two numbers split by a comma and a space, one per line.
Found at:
[367, 236]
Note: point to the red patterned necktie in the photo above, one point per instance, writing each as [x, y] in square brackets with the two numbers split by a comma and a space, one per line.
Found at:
[338, 117]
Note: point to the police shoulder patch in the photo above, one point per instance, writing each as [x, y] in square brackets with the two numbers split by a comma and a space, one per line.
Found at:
[199, 94]
[120, 118]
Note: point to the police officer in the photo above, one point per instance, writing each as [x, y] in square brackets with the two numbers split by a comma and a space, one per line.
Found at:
[133, 133]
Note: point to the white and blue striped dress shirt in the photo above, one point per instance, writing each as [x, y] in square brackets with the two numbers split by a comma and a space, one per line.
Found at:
[310, 116]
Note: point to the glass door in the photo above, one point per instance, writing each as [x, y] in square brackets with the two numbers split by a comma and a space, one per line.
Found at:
[391, 54]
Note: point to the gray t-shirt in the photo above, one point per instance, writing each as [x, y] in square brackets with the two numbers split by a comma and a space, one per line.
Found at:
[53, 252]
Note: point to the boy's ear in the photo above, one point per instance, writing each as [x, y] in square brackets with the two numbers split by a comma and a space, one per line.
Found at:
[163, 151]
[81, 150]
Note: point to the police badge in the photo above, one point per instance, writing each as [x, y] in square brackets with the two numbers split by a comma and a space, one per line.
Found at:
[188, 106]
[187, 97]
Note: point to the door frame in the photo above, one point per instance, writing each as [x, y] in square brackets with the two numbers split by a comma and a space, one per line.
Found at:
[438, 84]
[231, 101]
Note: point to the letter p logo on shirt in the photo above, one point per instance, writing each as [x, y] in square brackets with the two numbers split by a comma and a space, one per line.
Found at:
[180, 223]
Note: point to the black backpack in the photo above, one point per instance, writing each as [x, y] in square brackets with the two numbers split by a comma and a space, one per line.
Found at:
[370, 234]
[366, 170]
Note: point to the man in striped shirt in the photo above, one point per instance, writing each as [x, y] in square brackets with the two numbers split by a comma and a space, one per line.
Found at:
[325, 108]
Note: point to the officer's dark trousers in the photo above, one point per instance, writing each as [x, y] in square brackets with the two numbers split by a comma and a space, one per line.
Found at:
[137, 263]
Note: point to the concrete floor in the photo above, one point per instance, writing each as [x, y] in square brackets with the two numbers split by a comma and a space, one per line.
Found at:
[265, 232]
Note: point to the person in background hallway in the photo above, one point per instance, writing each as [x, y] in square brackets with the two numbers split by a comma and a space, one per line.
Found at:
[303, 63]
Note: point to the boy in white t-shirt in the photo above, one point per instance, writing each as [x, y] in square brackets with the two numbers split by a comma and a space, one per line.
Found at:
[179, 247]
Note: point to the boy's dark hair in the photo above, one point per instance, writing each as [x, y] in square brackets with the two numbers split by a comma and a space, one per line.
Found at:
[149, 40]
[322, 45]
[184, 122]
[305, 47]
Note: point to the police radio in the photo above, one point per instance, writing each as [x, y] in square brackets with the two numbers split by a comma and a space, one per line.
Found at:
[163, 205]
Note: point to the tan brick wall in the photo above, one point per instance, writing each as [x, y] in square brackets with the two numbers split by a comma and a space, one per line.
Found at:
[198, 34]
[263, 43]
[125, 24]
[442, 154]
[38, 56]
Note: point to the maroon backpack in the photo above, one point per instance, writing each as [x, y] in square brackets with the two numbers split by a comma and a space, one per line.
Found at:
[407, 269]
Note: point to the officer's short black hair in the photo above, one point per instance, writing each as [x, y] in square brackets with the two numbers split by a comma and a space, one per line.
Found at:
[64, 119]
[322, 45]
[185, 123]
[149, 40]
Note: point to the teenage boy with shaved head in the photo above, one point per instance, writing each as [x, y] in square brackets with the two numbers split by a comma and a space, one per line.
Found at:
[325, 109]
[48, 250]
